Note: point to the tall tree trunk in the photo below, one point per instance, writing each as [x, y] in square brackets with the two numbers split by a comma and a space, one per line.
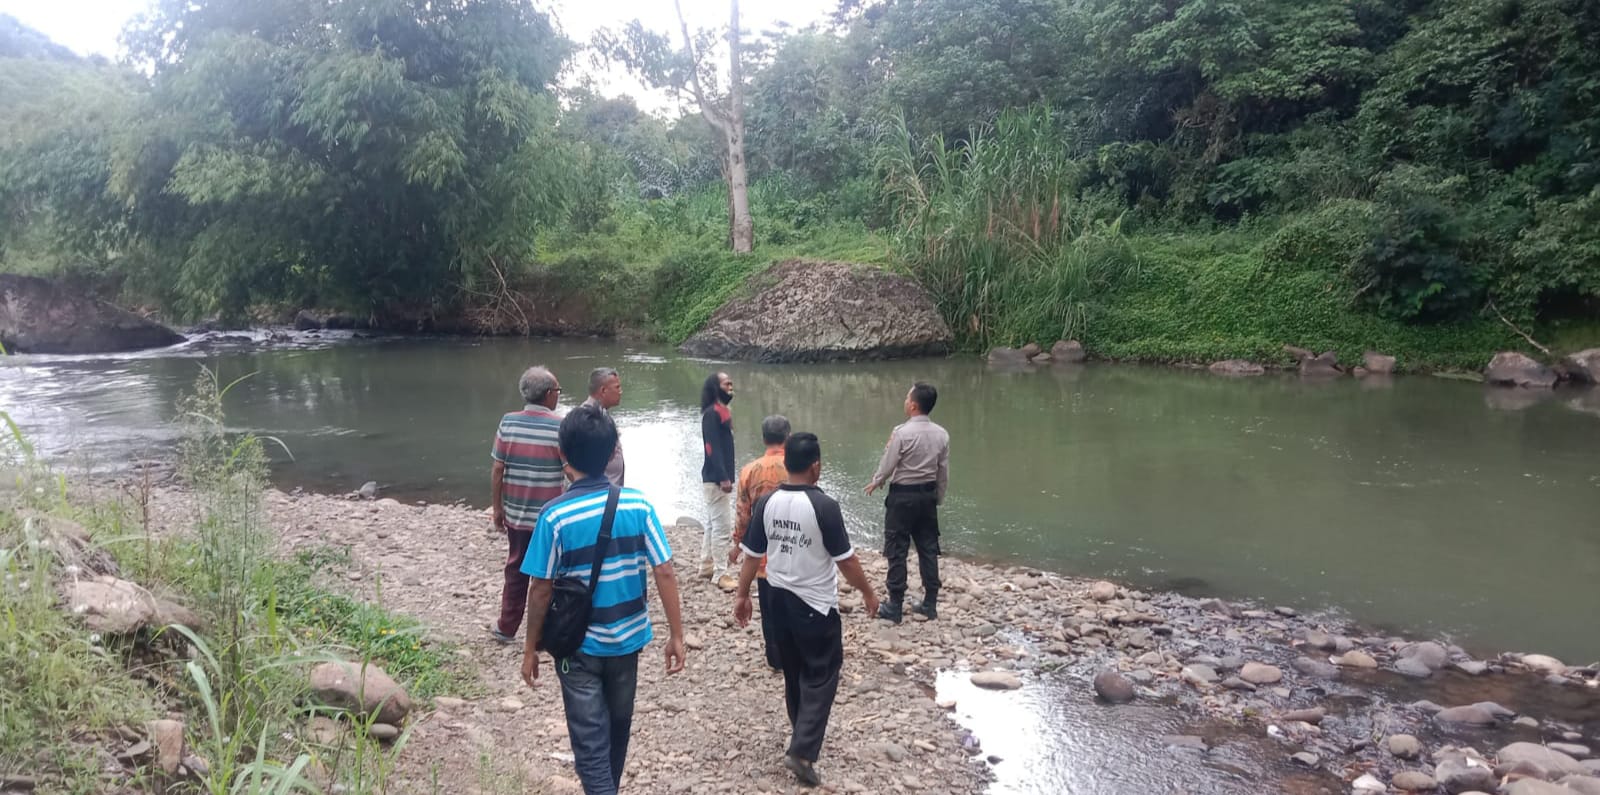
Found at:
[744, 228]
[728, 123]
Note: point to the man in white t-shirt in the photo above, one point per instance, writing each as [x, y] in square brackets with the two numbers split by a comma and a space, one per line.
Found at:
[801, 533]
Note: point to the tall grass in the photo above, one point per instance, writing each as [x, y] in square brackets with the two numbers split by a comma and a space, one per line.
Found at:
[67, 696]
[993, 228]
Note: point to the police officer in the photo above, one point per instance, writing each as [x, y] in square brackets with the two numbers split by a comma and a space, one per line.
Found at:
[916, 467]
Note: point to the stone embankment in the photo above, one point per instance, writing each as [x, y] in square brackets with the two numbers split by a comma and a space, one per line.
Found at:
[804, 311]
[1334, 700]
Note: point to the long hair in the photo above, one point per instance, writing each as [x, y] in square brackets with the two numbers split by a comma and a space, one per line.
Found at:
[711, 391]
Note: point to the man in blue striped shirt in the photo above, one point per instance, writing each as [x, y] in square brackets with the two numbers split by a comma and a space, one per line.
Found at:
[598, 683]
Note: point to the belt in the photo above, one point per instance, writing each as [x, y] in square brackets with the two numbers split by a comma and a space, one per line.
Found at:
[912, 487]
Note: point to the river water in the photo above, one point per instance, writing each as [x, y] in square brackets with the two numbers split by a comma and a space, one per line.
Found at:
[1419, 505]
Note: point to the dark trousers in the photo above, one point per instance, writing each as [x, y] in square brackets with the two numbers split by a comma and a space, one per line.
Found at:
[911, 517]
[811, 647]
[598, 695]
[514, 599]
[769, 631]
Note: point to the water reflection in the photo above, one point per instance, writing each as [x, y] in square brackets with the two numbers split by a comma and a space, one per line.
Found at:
[1409, 505]
[1052, 738]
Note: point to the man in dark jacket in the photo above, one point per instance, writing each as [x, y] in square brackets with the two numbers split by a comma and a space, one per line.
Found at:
[716, 474]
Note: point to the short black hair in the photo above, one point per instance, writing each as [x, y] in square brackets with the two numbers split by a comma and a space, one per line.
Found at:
[775, 429]
[588, 437]
[801, 451]
[924, 395]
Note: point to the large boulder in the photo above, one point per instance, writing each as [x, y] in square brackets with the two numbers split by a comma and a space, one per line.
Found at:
[1583, 366]
[112, 606]
[1237, 367]
[1068, 352]
[37, 316]
[1007, 357]
[1321, 366]
[363, 689]
[1515, 369]
[1378, 363]
[804, 311]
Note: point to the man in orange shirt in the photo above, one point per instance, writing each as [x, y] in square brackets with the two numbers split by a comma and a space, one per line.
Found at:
[758, 479]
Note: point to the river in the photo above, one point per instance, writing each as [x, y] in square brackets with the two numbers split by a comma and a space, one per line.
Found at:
[1419, 505]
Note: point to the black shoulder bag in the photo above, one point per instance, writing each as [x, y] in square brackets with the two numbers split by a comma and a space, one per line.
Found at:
[572, 602]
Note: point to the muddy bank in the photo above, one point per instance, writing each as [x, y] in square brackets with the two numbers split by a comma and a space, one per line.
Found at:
[1225, 698]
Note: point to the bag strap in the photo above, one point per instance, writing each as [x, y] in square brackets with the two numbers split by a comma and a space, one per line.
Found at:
[604, 540]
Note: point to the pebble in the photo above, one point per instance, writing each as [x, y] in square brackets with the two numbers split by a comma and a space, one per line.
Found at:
[1471, 667]
[1356, 658]
[1458, 773]
[1260, 674]
[1235, 683]
[1427, 653]
[996, 680]
[1414, 781]
[446, 702]
[1307, 759]
[1103, 591]
[1544, 664]
[1405, 746]
[1312, 716]
[1368, 784]
[1199, 675]
[1315, 669]
[1413, 667]
[1113, 687]
[383, 731]
[509, 705]
[1286, 612]
[1573, 750]
[1470, 715]
[1549, 761]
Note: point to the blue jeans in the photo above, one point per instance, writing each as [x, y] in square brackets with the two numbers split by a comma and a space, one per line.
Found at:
[598, 695]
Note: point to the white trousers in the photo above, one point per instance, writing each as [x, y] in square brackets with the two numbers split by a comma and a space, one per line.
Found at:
[719, 523]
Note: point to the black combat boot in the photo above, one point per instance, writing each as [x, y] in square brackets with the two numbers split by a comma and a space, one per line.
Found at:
[928, 607]
[890, 611]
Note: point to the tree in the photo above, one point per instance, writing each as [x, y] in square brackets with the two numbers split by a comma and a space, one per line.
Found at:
[649, 55]
[383, 155]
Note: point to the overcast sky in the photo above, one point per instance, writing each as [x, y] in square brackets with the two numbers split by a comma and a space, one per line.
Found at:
[91, 26]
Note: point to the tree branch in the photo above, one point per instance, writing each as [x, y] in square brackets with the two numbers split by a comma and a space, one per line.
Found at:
[1520, 332]
[713, 114]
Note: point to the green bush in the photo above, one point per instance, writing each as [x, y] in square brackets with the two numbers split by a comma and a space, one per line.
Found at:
[1205, 298]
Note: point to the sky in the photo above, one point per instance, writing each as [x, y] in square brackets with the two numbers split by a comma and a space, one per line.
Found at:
[91, 27]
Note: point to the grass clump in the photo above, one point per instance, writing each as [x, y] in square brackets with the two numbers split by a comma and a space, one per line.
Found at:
[70, 697]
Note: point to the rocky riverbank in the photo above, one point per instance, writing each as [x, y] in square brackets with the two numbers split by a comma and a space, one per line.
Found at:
[1346, 709]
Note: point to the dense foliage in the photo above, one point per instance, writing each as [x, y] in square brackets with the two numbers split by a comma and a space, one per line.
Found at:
[1417, 174]
[376, 154]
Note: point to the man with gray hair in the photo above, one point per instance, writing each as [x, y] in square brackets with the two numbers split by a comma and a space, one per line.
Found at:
[527, 473]
[605, 393]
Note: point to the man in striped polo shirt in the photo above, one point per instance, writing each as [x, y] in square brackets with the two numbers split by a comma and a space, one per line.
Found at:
[526, 474]
[598, 682]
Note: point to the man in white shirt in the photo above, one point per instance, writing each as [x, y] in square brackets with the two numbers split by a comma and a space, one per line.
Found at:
[801, 533]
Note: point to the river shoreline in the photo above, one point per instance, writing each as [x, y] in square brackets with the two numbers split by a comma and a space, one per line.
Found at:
[1261, 681]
